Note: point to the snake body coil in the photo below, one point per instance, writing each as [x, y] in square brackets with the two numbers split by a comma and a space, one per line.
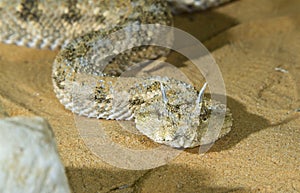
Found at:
[85, 76]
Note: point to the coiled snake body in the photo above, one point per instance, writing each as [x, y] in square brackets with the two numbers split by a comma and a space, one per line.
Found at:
[168, 111]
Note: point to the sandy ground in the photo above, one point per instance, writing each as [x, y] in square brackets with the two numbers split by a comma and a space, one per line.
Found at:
[249, 40]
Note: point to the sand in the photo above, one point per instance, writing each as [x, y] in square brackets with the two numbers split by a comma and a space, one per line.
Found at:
[256, 45]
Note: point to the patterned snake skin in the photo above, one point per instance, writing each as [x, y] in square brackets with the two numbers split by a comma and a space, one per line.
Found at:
[85, 76]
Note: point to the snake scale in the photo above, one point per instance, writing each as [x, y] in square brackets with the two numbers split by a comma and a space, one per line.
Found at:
[166, 110]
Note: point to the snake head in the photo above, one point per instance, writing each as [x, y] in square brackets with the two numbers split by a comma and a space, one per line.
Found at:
[173, 113]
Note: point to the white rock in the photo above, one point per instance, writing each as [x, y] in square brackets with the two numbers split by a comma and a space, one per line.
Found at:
[29, 162]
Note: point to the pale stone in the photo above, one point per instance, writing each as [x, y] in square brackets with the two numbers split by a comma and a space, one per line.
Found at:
[29, 162]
